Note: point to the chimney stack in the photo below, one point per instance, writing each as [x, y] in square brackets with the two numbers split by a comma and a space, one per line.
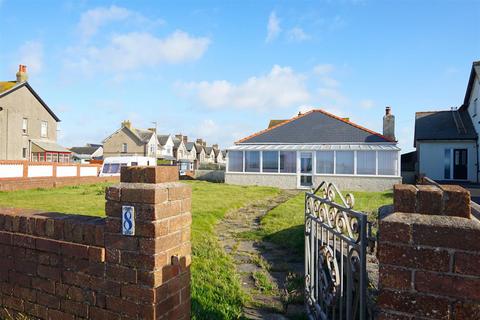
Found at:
[185, 139]
[22, 75]
[127, 124]
[200, 142]
[389, 124]
[215, 146]
[179, 136]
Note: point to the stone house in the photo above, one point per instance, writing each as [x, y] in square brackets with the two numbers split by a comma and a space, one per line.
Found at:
[316, 146]
[28, 127]
[165, 148]
[191, 152]
[201, 154]
[130, 141]
[447, 141]
[87, 153]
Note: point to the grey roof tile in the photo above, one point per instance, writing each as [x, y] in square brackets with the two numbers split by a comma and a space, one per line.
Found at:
[441, 125]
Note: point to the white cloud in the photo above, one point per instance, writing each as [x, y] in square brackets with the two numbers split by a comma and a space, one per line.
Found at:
[130, 51]
[94, 19]
[297, 34]
[367, 104]
[273, 27]
[323, 69]
[31, 55]
[280, 88]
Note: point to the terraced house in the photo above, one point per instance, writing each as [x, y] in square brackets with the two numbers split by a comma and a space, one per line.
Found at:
[28, 127]
[316, 146]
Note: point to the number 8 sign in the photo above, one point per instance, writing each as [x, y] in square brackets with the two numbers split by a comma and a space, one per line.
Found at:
[128, 220]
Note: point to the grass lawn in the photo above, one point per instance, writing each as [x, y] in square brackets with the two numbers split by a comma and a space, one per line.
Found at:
[216, 290]
[284, 224]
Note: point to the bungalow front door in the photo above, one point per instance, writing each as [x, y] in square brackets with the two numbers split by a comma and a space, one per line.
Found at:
[305, 175]
[460, 164]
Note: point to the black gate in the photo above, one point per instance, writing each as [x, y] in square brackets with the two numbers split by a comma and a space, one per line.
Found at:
[336, 241]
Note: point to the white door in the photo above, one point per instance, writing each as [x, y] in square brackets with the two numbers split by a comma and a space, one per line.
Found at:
[305, 170]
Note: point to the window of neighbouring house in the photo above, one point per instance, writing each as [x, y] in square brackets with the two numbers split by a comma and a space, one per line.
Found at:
[447, 163]
[44, 129]
[475, 107]
[288, 161]
[252, 161]
[235, 161]
[124, 147]
[24, 125]
[325, 161]
[387, 163]
[49, 157]
[24, 153]
[270, 161]
[344, 162]
[366, 162]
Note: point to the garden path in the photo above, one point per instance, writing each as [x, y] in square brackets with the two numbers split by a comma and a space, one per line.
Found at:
[270, 274]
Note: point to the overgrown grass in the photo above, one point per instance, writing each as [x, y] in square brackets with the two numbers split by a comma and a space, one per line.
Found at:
[216, 288]
[284, 224]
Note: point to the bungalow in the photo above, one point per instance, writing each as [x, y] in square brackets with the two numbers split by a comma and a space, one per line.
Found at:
[447, 141]
[316, 146]
[87, 153]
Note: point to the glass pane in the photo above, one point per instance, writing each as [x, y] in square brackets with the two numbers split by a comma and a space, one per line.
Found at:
[235, 161]
[387, 163]
[306, 181]
[106, 168]
[252, 161]
[306, 162]
[446, 165]
[345, 160]
[270, 161]
[288, 161]
[365, 162]
[325, 161]
[114, 168]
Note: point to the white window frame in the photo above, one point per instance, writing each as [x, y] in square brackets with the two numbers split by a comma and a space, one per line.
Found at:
[124, 148]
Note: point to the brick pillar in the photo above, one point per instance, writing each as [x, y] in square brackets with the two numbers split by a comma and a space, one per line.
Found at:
[153, 265]
[429, 256]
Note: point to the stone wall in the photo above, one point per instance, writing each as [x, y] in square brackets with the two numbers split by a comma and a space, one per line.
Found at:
[59, 266]
[210, 175]
[429, 255]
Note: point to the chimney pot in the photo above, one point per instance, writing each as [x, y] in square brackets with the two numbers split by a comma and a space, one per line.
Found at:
[22, 75]
[389, 124]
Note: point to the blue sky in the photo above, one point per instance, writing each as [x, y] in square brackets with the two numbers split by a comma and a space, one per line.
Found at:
[220, 70]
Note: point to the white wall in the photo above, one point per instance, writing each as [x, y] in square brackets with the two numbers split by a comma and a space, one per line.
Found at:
[11, 170]
[40, 171]
[431, 157]
[88, 171]
[66, 171]
[471, 110]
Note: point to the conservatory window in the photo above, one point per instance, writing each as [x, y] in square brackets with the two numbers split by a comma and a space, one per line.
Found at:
[387, 163]
[252, 161]
[325, 161]
[288, 161]
[345, 162]
[270, 161]
[235, 161]
[365, 162]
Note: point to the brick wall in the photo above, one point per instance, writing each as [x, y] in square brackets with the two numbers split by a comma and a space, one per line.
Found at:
[429, 255]
[58, 266]
[46, 183]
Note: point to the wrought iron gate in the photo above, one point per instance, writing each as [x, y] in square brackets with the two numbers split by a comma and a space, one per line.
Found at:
[336, 240]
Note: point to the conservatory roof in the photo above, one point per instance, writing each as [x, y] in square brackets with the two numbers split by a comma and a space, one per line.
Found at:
[315, 147]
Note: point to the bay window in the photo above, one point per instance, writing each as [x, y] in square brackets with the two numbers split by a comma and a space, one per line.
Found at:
[252, 161]
[235, 161]
[387, 163]
[270, 161]
[366, 162]
[344, 162]
[288, 161]
[325, 161]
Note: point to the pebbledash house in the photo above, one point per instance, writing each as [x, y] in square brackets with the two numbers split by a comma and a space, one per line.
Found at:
[303, 151]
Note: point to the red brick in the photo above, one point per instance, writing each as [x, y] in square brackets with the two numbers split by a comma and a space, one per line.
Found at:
[157, 174]
[25, 293]
[404, 198]
[59, 315]
[413, 257]
[48, 300]
[451, 232]
[13, 303]
[179, 222]
[142, 261]
[122, 306]
[101, 314]
[136, 292]
[24, 266]
[75, 308]
[25, 241]
[456, 201]
[118, 241]
[385, 315]
[429, 199]
[40, 226]
[113, 225]
[74, 250]
[36, 310]
[113, 193]
[113, 209]
[138, 195]
[19, 279]
[43, 285]
[112, 255]
[415, 304]
[394, 231]
[395, 278]
[447, 285]
[47, 245]
[150, 278]
[179, 192]
[467, 263]
[121, 274]
[467, 311]
[160, 244]
[168, 304]
[151, 229]
[6, 237]
[99, 235]
[50, 273]
[96, 254]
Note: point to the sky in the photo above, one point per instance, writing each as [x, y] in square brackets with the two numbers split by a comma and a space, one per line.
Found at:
[220, 70]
